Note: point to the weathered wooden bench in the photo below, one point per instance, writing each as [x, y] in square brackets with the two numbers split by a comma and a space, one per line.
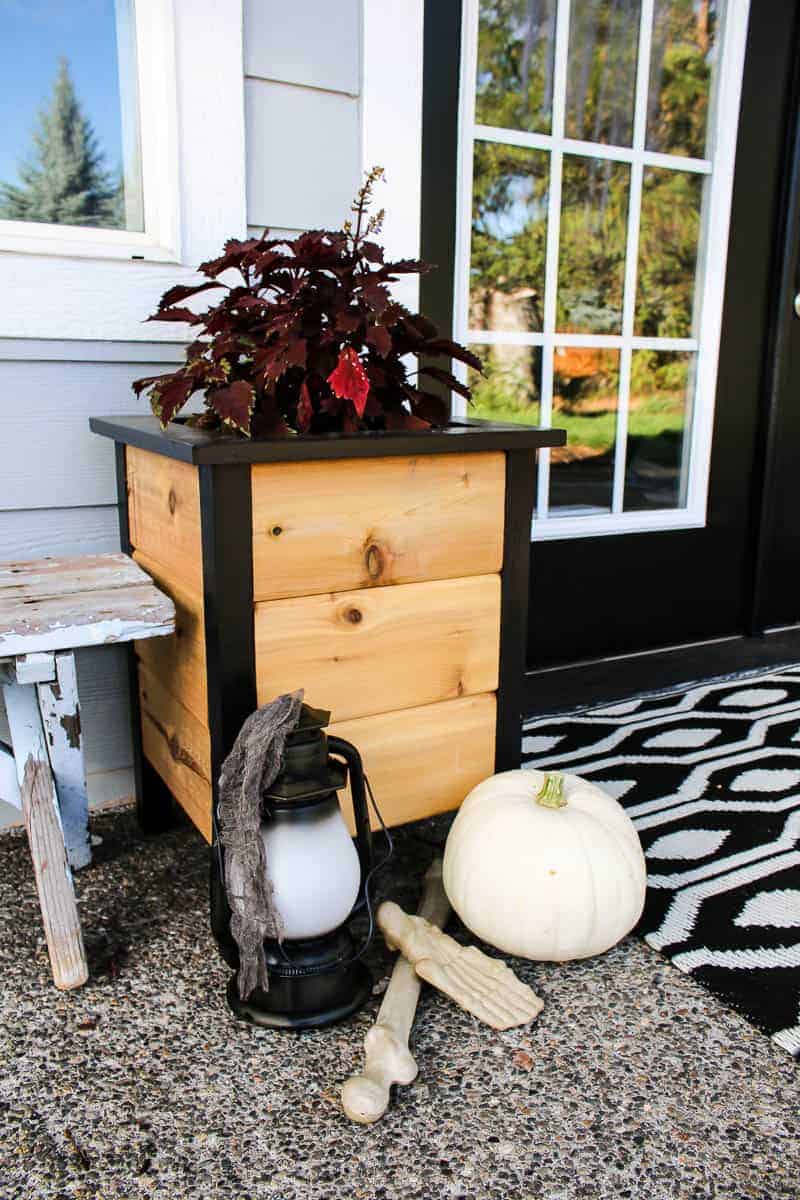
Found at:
[48, 609]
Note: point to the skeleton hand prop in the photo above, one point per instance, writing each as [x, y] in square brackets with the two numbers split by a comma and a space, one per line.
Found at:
[484, 986]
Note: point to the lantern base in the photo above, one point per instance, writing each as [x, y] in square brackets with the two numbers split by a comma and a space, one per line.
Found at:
[311, 983]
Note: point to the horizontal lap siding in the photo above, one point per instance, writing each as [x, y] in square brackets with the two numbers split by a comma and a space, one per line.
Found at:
[302, 111]
[58, 497]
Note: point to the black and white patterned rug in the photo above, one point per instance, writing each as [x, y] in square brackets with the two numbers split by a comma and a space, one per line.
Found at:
[711, 779]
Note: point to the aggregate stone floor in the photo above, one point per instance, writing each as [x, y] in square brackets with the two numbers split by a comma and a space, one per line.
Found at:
[633, 1082]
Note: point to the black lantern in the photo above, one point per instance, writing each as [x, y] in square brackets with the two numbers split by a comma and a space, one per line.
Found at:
[320, 879]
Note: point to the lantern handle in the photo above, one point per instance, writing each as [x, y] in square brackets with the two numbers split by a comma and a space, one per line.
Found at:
[358, 792]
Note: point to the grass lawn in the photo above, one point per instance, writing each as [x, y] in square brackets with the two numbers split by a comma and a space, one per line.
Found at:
[649, 416]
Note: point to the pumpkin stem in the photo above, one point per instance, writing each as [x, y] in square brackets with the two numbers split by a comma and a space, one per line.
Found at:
[551, 793]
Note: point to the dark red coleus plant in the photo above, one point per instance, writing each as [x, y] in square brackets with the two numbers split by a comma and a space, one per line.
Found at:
[308, 338]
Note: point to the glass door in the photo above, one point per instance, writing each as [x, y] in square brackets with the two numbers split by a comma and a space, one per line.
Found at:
[596, 154]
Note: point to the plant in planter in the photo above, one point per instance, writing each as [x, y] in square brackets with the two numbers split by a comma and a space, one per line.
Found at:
[308, 338]
[384, 570]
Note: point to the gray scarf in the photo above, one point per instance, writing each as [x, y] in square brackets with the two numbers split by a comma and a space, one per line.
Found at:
[251, 767]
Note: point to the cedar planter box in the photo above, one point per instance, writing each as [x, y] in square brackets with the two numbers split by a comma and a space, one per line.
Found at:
[387, 574]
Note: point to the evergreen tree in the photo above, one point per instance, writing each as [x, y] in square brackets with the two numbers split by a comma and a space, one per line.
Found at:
[64, 182]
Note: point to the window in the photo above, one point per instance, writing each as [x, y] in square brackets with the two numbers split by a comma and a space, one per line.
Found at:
[79, 149]
[596, 165]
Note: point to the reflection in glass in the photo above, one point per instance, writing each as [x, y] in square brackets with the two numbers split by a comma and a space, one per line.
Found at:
[668, 238]
[591, 256]
[510, 388]
[601, 84]
[514, 84]
[69, 141]
[509, 230]
[662, 386]
[585, 387]
[685, 48]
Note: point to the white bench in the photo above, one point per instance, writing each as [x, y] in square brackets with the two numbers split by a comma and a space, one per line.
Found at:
[48, 609]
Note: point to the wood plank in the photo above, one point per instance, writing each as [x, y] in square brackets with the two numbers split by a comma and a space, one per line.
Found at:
[164, 515]
[179, 660]
[46, 578]
[93, 619]
[376, 650]
[61, 718]
[356, 523]
[178, 747]
[46, 840]
[423, 760]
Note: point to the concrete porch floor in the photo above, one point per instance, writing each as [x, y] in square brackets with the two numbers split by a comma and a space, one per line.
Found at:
[634, 1082]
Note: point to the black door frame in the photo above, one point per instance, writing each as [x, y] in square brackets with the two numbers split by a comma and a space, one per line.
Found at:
[763, 249]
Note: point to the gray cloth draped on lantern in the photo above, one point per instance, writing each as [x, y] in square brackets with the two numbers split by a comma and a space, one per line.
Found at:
[251, 767]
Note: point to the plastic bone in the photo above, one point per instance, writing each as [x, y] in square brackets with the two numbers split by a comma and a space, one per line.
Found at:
[484, 986]
[365, 1097]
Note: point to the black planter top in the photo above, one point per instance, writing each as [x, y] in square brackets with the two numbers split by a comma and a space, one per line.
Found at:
[199, 446]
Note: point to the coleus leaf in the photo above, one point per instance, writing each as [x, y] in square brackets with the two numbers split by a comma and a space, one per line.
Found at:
[349, 380]
[176, 314]
[234, 402]
[183, 291]
[400, 418]
[305, 409]
[372, 252]
[380, 339]
[454, 350]
[447, 379]
[168, 398]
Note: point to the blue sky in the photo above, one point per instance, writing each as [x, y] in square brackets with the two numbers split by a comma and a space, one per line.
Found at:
[34, 34]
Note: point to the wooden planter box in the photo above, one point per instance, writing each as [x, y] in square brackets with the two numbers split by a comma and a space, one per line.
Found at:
[387, 574]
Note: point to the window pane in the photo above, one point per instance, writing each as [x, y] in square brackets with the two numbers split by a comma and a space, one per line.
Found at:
[662, 386]
[509, 229]
[69, 138]
[510, 388]
[668, 237]
[585, 387]
[591, 257]
[601, 82]
[514, 84]
[685, 49]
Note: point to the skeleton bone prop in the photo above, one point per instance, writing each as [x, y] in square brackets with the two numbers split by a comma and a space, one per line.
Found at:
[365, 1097]
[484, 986]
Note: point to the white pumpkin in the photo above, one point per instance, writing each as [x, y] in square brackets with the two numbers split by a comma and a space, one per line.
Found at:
[544, 867]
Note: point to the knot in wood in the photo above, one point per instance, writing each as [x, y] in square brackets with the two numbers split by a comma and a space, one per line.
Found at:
[353, 615]
[276, 531]
[172, 501]
[374, 560]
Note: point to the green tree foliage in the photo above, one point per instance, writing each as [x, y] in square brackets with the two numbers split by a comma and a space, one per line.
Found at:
[64, 181]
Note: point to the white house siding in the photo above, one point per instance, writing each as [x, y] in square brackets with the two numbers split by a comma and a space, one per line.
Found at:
[323, 89]
[302, 64]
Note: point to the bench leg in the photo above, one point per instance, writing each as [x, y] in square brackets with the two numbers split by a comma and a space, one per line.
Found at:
[61, 717]
[46, 838]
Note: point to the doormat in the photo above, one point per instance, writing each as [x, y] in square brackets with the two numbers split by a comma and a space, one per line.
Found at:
[710, 776]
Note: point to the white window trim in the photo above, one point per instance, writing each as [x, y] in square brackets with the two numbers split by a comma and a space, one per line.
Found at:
[158, 129]
[712, 254]
[96, 297]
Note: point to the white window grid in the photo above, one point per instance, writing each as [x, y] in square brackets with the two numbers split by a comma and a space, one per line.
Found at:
[710, 275]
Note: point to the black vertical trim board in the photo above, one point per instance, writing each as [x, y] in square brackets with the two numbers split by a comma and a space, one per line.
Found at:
[441, 67]
[120, 453]
[227, 542]
[520, 489]
[774, 597]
